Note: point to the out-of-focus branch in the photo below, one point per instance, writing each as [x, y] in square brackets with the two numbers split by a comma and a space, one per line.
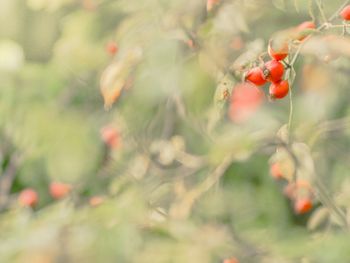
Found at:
[7, 179]
[325, 25]
[182, 208]
[322, 192]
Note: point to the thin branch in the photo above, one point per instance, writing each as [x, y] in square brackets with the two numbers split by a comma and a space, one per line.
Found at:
[183, 207]
[323, 194]
[7, 179]
[319, 4]
[296, 55]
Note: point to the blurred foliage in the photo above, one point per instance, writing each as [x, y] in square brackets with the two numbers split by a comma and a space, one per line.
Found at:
[182, 182]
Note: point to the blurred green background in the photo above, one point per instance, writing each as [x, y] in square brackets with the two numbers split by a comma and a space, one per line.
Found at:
[184, 183]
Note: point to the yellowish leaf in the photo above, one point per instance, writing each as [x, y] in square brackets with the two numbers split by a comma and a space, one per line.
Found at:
[117, 75]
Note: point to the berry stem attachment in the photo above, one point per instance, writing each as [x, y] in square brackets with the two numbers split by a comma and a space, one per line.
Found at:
[296, 55]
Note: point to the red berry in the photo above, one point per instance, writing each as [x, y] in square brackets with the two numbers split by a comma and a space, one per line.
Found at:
[275, 171]
[302, 206]
[59, 190]
[304, 26]
[275, 70]
[278, 52]
[279, 90]
[110, 136]
[112, 48]
[256, 76]
[345, 13]
[28, 197]
[245, 100]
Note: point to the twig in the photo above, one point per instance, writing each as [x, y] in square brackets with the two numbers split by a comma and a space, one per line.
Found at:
[323, 194]
[7, 179]
[320, 7]
[296, 55]
[183, 207]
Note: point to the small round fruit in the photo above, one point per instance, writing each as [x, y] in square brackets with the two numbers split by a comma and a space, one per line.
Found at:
[302, 206]
[112, 48]
[274, 70]
[231, 260]
[256, 76]
[28, 197]
[110, 136]
[345, 13]
[304, 27]
[190, 43]
[59, 190]
[278, 52]
[275, 171]
[245, 101]
[279, 90]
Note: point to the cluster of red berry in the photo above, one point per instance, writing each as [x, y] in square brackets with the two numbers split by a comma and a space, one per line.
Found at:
[273, 70]
[299, 192]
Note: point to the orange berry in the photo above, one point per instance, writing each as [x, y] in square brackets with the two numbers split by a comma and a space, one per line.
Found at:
[231, 260]
[211, 4]
[112, 48]
[245, 101]
[190, 43]
[302, 206]
[110, 136]
[59, 190]
[275, 171]
[345, 13]
[28, 197]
